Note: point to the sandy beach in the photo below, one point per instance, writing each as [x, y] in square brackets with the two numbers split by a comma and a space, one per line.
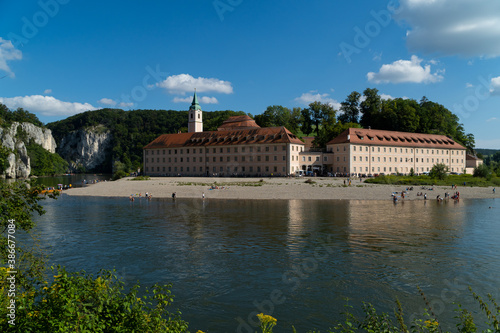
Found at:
[270, 188]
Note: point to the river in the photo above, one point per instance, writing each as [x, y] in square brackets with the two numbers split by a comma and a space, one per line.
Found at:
[297, 260]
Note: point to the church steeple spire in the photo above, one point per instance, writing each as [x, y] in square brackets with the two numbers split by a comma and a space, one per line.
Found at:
[195, 123]
[195, 105]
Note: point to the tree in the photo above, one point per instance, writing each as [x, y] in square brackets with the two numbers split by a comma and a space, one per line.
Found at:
[4, 161]
[350, 108]
[483, 171]
[370, 108]
[439, 171]
[277, 116]
[19, 201]
[306, 120]
[316, 114]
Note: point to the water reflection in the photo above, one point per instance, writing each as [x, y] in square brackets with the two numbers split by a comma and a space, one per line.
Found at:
[226, 257]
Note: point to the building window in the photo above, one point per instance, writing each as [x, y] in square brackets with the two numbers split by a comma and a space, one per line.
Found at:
[284, 159]
[354, 148]
[267, 148]
[170, 160]
[283, 148]
[309, 158]
[181, 159]
[251, 149]
[158, 160]
[236, 158]
[187, 169]
[275, 169]
[275, 158]
[164, 160]
[267, 158]
[258, 149]
[258, 169]
[187, 152]
[229, 158]
[228, 149]
[378, 149]
[275, 148]
[258, 158]
[354, 157]
[164, 153]
[251, 169]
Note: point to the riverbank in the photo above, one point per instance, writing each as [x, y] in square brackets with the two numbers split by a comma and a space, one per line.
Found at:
[268, 189]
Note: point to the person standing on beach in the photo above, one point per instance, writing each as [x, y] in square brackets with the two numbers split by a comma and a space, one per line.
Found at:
[425, 196]
[203, 196]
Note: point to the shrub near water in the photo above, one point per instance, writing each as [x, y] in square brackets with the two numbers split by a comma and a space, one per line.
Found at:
[78, 302]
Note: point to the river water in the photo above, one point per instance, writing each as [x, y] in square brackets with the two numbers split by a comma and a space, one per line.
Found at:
[297, 260]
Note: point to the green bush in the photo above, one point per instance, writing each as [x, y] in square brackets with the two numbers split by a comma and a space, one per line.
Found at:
[79, 302]
[482, 171]
[119, 174]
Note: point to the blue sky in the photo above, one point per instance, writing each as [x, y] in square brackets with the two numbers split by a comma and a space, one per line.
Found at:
[62, 57]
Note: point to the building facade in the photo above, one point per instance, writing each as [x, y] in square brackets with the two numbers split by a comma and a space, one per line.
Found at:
[240, 147]
[366, 151]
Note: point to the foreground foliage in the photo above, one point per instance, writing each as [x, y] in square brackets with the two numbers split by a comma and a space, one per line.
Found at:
[79, 302]
[373, 322]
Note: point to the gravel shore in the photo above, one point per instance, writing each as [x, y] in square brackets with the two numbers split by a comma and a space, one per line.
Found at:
[267, 188]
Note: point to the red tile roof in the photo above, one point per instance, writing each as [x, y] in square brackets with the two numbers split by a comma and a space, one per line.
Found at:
[257, 135]
[238, 123]
[393, 138]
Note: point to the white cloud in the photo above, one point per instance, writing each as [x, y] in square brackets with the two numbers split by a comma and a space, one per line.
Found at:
[314, 96]
[46, 105]
[452, 27]
[405, 71]
[107, 101]
[183, 83]
[469, 85]
[491, 119]
[495, 86]
[125, 105]
[386, 97]
[203, 100]
[47, 91]
[7, 53]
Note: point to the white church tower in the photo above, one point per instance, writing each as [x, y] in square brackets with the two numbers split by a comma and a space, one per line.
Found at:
[195, 123]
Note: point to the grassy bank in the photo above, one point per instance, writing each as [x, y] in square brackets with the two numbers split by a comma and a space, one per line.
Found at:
[458, 180]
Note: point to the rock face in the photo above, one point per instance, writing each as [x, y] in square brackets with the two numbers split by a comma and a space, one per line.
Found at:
[16, 137]
[88, 148]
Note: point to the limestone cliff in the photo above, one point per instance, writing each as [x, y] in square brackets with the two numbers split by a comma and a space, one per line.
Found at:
[87, 148]
[15, 138]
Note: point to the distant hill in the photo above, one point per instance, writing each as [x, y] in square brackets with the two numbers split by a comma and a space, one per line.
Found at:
[126, 133]
[487, 152]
